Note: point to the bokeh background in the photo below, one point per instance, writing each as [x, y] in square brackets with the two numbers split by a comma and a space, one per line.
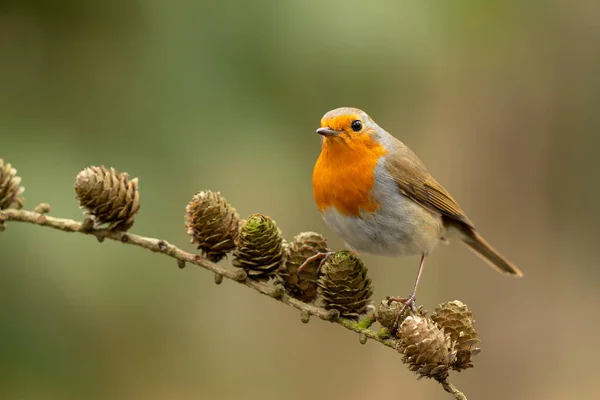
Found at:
[500, 99]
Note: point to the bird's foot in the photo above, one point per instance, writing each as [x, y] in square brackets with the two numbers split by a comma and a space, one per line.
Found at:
[407, 303]
[319, 255]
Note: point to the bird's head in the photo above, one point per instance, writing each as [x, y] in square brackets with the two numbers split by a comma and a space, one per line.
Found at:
[348, 126]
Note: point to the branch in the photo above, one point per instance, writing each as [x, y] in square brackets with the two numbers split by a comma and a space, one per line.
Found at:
[450, 388]
[38, 217]
[182, 257]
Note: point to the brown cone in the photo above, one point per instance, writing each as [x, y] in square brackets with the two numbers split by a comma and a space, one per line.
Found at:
[302, 286]
[344, 285]
[388, 310]
[108, 197]
[212, 223]
[455, 319]
[10, 187]
[260, 247]
[427, 350]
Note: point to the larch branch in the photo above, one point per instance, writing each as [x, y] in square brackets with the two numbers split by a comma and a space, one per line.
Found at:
[38, 217]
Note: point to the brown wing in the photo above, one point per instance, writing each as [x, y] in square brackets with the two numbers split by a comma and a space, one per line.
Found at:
[415, 182]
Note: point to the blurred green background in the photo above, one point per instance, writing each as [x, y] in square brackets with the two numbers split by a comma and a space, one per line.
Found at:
[500, 99]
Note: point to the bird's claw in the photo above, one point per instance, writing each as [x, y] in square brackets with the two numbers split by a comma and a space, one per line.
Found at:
[320, 255]
[408, 302]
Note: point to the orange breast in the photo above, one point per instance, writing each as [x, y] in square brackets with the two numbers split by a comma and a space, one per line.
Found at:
[344, 174]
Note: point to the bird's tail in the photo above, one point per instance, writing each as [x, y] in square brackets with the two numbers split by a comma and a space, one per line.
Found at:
[484, 250]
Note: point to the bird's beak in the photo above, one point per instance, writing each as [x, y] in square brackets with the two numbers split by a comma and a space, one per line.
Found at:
[327, 132]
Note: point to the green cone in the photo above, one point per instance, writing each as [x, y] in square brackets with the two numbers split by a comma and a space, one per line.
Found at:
[260, 247]
[344, 285]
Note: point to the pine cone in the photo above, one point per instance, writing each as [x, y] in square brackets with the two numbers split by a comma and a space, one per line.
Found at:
[108, 197]
[344, 285]
[455, 319]
[388, 310]
[259, 247]
[427, 350]
[302, 286]
[10, 189]
[212, 223]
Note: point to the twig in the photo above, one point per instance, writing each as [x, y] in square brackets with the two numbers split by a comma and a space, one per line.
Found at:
[182, 257]
[450, 388]
[164, 247]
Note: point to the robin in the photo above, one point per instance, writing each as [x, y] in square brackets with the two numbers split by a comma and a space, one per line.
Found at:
[376, 194]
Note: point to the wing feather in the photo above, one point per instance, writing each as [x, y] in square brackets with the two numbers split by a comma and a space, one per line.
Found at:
[415, 182]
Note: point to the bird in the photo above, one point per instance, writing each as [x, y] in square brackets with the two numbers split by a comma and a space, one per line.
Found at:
[378, 197]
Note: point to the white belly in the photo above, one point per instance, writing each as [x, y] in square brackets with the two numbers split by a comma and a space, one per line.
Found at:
[400, 227]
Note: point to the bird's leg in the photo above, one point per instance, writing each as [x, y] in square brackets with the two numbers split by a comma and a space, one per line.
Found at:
[410, 300]
[319, 255]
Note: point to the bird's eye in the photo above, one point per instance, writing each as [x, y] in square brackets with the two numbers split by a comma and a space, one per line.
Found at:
[356, 126]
